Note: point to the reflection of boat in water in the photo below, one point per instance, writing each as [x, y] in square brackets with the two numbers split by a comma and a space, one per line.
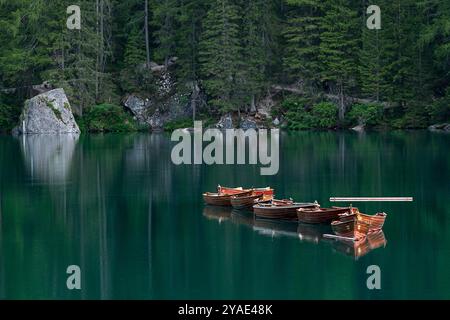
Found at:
[242, 218]
[275, 228]
[217, 213]
[363, 246]
[312, 233]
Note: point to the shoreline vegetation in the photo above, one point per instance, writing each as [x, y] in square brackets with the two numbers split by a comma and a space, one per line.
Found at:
[292, 64]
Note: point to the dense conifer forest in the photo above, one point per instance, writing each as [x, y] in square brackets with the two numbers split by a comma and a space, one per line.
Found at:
[316, 58]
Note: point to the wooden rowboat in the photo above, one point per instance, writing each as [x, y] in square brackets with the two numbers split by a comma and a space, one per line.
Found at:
[350, 229]
[223, 199]
[217, 199]
[268, 192]
[228, 190]
[245, 202]
[375, 222]
[320, 215]
[281, 209]
[261, 195]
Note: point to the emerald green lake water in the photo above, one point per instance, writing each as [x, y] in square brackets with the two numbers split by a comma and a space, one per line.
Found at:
[116, 206]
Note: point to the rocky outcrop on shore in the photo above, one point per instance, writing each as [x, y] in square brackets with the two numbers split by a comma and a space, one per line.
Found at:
[359, 128]
[225, 122]
[440, 127]
[47, 113]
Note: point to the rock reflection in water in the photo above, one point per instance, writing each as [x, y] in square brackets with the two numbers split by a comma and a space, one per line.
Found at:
[48, 158]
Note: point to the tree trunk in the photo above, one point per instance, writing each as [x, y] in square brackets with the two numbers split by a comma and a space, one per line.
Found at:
[252, 104]
[341, 102]
[97, 62]
[147, 41]
[194, 97]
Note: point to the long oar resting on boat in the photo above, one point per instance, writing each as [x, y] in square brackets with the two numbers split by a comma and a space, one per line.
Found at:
[258, 195]
[281, 209]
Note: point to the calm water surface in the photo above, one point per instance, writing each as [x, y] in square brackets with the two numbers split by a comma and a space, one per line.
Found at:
[135, 223]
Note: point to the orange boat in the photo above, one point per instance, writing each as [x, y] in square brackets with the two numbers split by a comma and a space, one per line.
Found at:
[356, 225]
[280, 209]
[320, 215]
[375, 222]
[227, 190]
[259, 195]
[223, 196]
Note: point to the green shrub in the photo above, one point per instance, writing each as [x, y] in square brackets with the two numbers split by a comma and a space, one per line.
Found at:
[366, 114]
[410, 121]
[107, 118]
[178, 124]
[439, 110]
[9, 117]
[295, 112]
[324, 115]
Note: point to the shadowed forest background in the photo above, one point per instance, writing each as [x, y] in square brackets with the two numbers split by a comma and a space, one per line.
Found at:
[316, 60]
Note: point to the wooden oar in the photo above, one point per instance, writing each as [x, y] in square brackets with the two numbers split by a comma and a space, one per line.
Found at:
[332, 236]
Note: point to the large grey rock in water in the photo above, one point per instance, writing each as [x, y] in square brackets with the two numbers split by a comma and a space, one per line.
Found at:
[48, 113]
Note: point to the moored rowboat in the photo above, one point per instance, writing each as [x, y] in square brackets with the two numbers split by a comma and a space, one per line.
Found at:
[281, 209]
[223, 197]
[260, 195]
[245, 202]
[350, 229]
[320, 215]
[227, 190]
[375, 222]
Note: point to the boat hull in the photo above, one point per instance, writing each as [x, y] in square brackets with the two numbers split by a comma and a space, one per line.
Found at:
[224, 200]
[375, 222]
[319, 215]
[284, 212]
[245, 202]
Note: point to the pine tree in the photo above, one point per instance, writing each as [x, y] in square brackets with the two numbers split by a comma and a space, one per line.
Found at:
[27, 31]
[258, 38]
[371, 59]
[302, 36]
[339, 48]
[192, 13]
[164, 21]
[82, 56]
[220, 55]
